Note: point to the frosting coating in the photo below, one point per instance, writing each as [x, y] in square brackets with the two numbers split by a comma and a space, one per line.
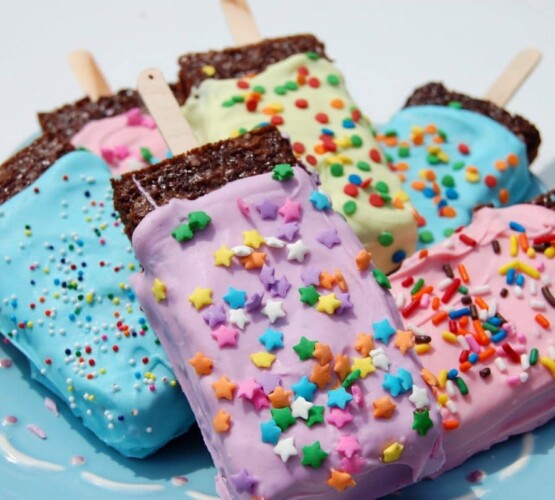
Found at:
[452, 160]
[65, 303]
[266, 346]
[507, 363]
[306, 97]
[126, 142]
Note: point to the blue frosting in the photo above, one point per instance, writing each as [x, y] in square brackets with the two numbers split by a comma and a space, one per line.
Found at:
[66, 304]
[488, 142]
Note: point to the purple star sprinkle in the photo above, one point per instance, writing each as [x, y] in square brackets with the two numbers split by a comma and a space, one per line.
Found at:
[280, 287]
[267, 209]
[254, 302]
[266, 276]
[243, 481]
[214, 316]
[288, 231]
[346, 304]
[268, 381]
[310, 276]
[329, 238]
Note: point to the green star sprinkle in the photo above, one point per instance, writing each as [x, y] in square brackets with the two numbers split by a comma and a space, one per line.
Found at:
[315, 416]
[313, 455]
[283, 418]
[282, 172]
[199, 220]
[305, 348]
[351, 378]
[182, 233]
[309, 295]
[422, 422]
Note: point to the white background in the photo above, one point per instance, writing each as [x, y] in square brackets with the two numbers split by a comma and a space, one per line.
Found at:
[384, 47]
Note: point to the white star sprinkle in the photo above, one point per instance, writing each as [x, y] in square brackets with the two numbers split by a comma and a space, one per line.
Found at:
[238, 317]
[300, 407]
[274, 242]
[380, 359]
[273, 310]
[242, 251]
[286, 448]
[297, 251]
[419, 397]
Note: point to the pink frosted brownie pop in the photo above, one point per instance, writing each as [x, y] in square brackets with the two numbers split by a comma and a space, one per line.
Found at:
[482, 309]
[284, 338]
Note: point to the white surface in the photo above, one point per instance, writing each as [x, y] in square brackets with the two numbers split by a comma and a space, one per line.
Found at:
[385, 48]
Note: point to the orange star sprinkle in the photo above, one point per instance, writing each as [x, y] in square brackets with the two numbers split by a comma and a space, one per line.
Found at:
[364, 344]
[341, 283]
[404, 340]
[340, 480]
[224, 388]
[222, 421]
[363, 259]
[254, 261]
[342, 366]
[383, 407]
[321, 375]
[327, 280]
[201, 364]
[279, 397]
[322, 353]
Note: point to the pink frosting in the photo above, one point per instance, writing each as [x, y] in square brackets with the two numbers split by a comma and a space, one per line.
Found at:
[119, 139]
[501, 404]
[182, 267]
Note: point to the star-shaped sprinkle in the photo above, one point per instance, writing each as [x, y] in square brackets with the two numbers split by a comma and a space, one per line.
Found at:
[327, 280]
[315, 416]
[342, 366]
[364, 344]
[392, 384]
[201, 297]
[270, 432]
[304, 388]
[214, 316]
[309, 295]
[339, 398]
[301, 407]
[297, 251]
[254, 261]
[380, 359]
[313, 455]
[365, 366]
[273, 309]
[260, 400]
[235, 298]
[268, 381]
[340, 481]
[422, 422]
[274, 242]
[319, 200]
[262, 359]
[238, 317]
[406, 379]
[404, 340]
[224, 388]
[305, 348]
[267, 209]
[271, 339]
[419, 397]
[254, 302]
[198, 220]
[279, 397]
[286, 448]
[310, 276]
[363, 259]
[393, 452]
[353, 465]
[246, 388]
[242, 251]
[243, 481]
[159, 290]
[383, 331]
[202, 364]
[282, 172]
[183, 232]
[280, 287]
[383, 407]
[328, 303]
[290, 211]
[252, 239]
[266, 276]
[225, 336]
[321, 375]
[339, 418]
[322, 353]
[223, 256]
[283, 417]
[329, 238]
[348, 446]
[346, 304]
[221, 422]
[288, 231]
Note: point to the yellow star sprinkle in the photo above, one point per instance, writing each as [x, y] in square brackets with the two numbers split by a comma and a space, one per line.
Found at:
[223, 256]
[263, 359]
[393, 452]
[201, 297]
[159, 290]
[252, 238]
[365, 366]
[328, 303]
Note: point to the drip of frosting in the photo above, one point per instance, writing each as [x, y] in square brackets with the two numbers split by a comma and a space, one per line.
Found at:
[126, 142]
[119, 486]
[17, 457]
[493, 375]
[452, 160]
[290, 354]
[306, 97]
[65, 303]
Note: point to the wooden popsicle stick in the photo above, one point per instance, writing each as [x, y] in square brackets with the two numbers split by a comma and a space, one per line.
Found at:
[514, 75]
[163, 107]
[88, 74]
[240, 21]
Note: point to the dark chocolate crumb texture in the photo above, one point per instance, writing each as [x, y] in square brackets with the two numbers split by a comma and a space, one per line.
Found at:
[198, 172]
[546, 200]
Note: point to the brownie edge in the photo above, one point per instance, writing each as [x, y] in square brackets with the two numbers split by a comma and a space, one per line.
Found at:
[236, 62]
[436, 93]
[198, 172]
[26, 166]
